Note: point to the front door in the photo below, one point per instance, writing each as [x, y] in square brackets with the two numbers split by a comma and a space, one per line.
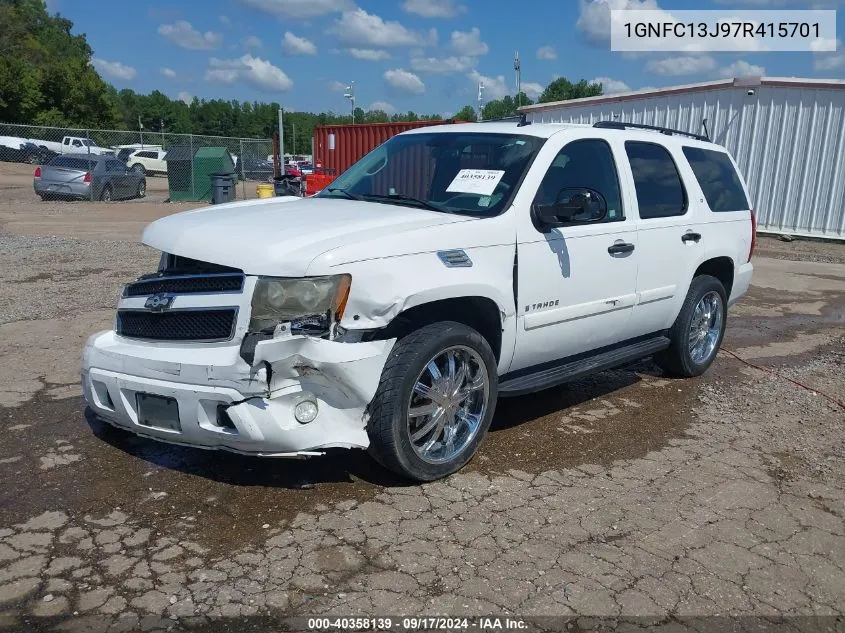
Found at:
[576, 283]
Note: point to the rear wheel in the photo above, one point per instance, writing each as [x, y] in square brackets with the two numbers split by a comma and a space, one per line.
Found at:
[142, 188]
[139, 168]
[106, 195]
[698, 331]
[435, 401]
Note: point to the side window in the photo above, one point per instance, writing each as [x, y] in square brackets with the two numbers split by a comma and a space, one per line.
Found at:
[718, 179]
[77, 143]
[586, 163]
[660, 192]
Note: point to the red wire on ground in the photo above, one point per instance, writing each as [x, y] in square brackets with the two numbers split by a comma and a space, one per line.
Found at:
[779, 375]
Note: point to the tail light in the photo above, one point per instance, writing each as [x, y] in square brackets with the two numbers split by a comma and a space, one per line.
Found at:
[87, 178]
[753, 234]
[37, 173]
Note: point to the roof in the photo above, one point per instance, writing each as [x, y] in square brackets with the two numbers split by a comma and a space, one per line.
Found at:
[720, 84]
[91, 157]
[543, 130]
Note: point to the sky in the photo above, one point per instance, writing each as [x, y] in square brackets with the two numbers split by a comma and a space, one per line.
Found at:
[422, 55]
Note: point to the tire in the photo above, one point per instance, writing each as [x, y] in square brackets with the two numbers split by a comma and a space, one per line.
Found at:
[106, 195]
[139, 167]
[684, 357]
[466, 420]
[142, 188]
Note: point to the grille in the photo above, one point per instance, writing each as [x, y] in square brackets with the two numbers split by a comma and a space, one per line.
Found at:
[185, 285]
[178, 325]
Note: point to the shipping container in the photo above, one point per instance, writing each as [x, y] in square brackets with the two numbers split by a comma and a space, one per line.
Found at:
[787, 135]
[337, 147]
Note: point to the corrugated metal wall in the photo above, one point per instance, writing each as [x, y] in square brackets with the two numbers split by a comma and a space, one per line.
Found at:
[337, 147]
[788, 141]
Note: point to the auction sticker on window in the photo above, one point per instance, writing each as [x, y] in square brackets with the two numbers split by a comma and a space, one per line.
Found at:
[480, 181]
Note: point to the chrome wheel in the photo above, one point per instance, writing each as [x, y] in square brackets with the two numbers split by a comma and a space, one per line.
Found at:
[448, 404]
[706, 327]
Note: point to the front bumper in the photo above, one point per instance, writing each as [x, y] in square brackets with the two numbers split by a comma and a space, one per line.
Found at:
[259, 399]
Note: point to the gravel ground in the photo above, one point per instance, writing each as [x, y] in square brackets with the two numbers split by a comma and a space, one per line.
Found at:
[624, 495]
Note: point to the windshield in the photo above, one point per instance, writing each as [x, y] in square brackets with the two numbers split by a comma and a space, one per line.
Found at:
[467, 173]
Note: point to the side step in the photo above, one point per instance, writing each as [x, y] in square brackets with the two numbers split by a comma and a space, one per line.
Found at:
[572, 370]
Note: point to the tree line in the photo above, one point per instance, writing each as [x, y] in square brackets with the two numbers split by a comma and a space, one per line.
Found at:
[46, 78]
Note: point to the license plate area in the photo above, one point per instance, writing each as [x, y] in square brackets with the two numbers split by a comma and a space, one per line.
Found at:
[158, 412]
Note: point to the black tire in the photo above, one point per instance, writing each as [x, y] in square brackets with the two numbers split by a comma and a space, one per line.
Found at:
[106, 195]
[388, 428]
[142, 188]
[677, 359]
[140, 168]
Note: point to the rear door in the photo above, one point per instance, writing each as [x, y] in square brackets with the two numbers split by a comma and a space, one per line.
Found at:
[117, 175]
[671, 239]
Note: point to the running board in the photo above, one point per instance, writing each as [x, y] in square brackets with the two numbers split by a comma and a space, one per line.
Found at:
[572, 370]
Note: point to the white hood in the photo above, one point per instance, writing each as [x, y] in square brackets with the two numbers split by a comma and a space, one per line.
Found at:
[278, 237]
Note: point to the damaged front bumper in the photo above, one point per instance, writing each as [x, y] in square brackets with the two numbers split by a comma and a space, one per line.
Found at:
[225, 403]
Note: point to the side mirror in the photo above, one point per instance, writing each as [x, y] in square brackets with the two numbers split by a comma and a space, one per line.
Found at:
[573, 205]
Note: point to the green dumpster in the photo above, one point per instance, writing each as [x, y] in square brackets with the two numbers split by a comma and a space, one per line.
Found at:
[189, 177]
[207, 162]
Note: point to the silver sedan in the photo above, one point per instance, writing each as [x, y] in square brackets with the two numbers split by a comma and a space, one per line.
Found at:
[84, 177]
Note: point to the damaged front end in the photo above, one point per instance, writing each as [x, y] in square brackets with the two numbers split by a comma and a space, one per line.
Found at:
[210, 357]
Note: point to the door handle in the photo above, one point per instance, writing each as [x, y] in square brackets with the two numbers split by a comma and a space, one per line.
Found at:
[619, 248]
[691, 237]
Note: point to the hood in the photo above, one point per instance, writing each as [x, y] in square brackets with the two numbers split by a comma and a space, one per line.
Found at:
[280, 237]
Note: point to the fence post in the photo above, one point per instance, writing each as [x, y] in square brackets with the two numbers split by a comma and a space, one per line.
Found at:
[88, 150]
[240, 167]
[193, 190]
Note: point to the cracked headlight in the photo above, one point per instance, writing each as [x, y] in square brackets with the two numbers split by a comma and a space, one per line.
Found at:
[310, 304]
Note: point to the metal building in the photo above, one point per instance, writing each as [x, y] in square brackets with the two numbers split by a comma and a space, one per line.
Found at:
[787, 134]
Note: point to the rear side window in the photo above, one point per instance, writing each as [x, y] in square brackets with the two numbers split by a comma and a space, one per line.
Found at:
[660, 192]
[72, 163]
[718, 179]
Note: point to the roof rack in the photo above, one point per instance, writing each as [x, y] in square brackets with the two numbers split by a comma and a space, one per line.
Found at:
[621, 125]
[522, 118]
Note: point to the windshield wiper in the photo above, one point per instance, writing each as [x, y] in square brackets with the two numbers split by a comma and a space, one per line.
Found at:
[403, 198]
[347, 194]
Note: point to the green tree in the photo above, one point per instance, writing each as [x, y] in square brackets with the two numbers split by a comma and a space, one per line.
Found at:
[467, 113]
[561, 89]
[507, 106]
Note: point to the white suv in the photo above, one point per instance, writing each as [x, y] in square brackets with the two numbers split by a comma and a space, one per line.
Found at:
[451, 266]
[148, 161]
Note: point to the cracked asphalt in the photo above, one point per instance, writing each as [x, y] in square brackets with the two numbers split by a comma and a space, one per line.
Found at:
[627, 494]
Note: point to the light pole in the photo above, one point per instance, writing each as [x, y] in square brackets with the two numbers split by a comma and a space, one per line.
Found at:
[518, 68]
[480, 100]
[350, 94]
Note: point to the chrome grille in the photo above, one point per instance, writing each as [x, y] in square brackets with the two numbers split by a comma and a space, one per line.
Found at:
[185, 284]
[217, 324]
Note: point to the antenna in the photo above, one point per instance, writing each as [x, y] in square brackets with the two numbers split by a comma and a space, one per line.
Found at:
[350, 94]
[480, 100]
[518, 68]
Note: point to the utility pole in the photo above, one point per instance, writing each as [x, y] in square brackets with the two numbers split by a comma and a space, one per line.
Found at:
[294, 136]
[141, 130]
[350, 94]
[518, 68]
[161, 127]
[282, 134]
[480, 100]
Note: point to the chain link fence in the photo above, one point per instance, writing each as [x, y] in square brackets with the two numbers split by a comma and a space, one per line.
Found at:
[175, 167]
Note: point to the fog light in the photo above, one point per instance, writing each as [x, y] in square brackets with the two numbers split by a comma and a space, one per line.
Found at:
[305, 411]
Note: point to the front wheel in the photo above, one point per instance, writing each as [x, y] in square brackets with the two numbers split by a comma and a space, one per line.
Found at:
[698, 331]
[106, 195]
[435, 401]
[139, 168]
[142, 189]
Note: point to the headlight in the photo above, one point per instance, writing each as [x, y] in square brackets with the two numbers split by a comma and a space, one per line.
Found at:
[313, 303]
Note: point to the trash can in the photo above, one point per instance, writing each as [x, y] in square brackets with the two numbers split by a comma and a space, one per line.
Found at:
[222, 188]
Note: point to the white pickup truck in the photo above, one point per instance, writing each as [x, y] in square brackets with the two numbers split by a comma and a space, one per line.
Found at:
[72, 145]
[451, 266]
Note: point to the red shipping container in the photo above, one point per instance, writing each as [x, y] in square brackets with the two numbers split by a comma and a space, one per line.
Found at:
[337, 147]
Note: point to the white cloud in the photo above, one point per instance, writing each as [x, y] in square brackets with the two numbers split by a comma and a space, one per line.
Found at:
[256, 72]
[300, 9]
[224, 19]
[594, 17]
[443, 65]
[369, 30]
[182, 33]
[684, 65]
[185, 97]
[384, 106]
[469, 43]
[404, 81]
[114, 70]
[741, 68]
[825, 62]
[531, 89]
[494, 87]
[368, 54]
[168, 72]
[294, 45]
[434, 8]
[546, 53]
[611, 86]
[336, 86]
[252, 41]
